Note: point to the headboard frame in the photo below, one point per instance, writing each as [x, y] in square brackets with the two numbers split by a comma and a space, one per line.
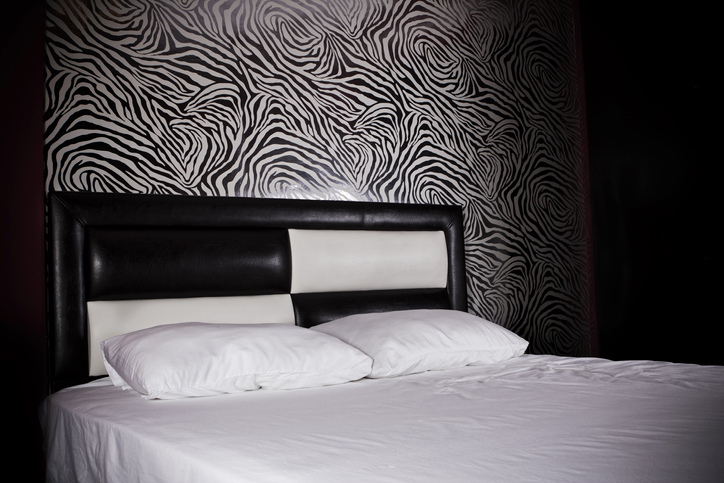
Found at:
[127, 246]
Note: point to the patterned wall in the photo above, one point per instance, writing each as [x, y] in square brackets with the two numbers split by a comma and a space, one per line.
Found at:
[420, 101]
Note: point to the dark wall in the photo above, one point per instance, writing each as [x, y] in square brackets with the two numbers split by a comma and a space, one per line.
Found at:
[22, 300]
[652, 109]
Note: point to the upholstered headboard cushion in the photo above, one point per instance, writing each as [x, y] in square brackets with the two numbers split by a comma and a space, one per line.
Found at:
[368, 257]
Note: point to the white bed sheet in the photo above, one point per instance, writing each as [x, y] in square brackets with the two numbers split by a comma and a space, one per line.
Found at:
[530, 419]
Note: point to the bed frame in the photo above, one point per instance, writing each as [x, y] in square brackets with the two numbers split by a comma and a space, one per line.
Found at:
[104, 247]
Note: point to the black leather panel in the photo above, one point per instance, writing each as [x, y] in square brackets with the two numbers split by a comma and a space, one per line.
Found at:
[312, 309]
[142, 263]
[66, 311]
[95, 209]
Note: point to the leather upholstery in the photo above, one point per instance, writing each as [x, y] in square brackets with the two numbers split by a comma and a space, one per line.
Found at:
[109, 318]
[352, 260]
[145, 263]
[312, 309]
[124, 246]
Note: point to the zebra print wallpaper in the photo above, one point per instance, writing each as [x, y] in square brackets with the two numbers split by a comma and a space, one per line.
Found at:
[418, 101]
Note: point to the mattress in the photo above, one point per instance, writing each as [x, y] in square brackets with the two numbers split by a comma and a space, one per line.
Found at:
[530, 419]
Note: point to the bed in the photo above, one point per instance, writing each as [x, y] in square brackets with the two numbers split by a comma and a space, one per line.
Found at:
[366, 365]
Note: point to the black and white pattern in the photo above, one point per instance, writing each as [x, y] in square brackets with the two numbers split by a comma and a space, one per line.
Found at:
[420, 101]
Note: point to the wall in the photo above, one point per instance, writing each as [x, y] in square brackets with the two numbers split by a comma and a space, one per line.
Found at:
[473, 103]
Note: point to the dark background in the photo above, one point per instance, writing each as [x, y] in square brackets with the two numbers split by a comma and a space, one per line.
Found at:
[652, 103]
[22, 296]
[653, 107]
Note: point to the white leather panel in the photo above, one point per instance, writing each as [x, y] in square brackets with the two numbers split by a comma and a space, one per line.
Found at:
[107, 319]
[345, 260]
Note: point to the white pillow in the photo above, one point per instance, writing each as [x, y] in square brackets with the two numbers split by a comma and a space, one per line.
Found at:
[410, 341]
[196, 359]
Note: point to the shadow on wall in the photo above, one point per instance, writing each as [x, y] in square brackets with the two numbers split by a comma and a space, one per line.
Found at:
[653, 107]
[23, 361]
[22, 299]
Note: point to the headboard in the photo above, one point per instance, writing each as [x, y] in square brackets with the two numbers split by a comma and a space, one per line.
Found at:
[328, 258]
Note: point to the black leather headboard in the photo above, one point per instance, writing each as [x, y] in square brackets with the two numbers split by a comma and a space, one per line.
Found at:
[123, 246]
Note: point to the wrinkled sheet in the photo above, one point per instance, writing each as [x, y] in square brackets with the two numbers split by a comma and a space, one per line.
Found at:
[530, 419]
